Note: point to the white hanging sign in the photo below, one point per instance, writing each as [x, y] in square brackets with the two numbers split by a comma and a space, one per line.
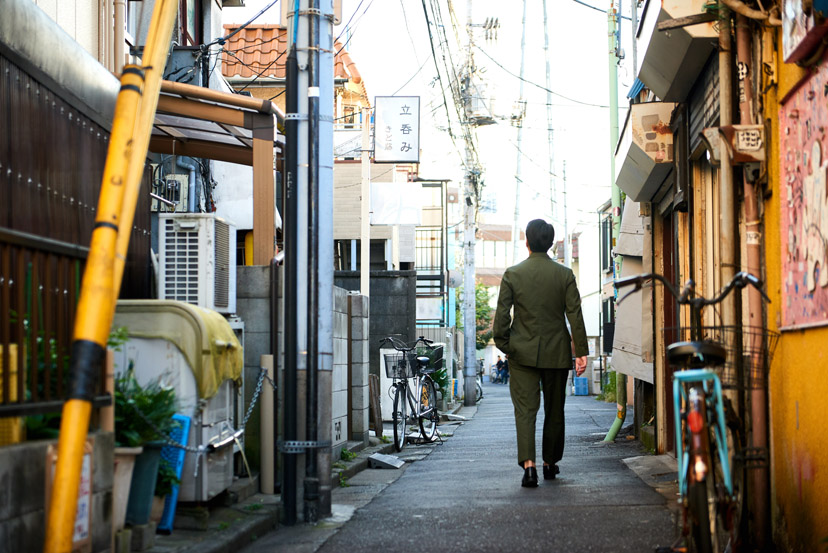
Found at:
[397, 129]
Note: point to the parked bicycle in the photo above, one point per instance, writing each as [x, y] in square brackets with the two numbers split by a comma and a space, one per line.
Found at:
[711, 466]
[419, 395]
[479, 383]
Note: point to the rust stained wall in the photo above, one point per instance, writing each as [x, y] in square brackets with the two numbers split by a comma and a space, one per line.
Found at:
[798, 386]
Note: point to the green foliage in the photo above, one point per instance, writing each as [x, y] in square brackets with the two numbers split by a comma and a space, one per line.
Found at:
[117, 338]
[484, 313]
[385, 439]
[166, 479]
[253, 507]
[439, 376]
[347, 455]
[343, 481]
[43, 427]
[47, 425]
[155, 403]
[608, 393]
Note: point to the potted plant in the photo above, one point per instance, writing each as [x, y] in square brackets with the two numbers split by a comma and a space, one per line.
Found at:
[143, 418]
[163, 487]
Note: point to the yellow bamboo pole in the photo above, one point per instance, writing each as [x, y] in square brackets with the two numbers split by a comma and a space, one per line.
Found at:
[96, 304]
[153, 77]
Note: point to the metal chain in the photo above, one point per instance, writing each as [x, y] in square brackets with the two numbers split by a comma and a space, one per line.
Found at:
[201, 449]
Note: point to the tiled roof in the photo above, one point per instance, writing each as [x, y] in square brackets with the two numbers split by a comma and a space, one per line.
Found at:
[254, 49]
[262, 49]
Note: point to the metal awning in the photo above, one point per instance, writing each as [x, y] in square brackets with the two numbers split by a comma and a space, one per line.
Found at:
[672, 60]
[644, 156]
[200, 122]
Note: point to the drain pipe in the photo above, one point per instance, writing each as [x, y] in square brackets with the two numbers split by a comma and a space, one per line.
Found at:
[291, 227]
[757, 475]
[311, 482]
[620, 379]
[191, 182]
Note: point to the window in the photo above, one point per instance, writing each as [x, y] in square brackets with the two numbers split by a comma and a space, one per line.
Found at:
[606, 244]
[608, 324]
[348, 118]
[189, 21]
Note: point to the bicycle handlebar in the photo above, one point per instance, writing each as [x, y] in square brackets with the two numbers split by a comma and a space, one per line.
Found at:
[740, 280]
[399, 345]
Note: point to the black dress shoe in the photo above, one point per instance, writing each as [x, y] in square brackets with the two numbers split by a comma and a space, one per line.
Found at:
[530, 478]
[549, 471]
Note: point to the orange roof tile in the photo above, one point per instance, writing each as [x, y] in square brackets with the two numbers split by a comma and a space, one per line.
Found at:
[261, 49]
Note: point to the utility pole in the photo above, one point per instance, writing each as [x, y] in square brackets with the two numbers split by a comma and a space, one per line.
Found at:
[549, 130]
[469, 295]
[620, 378]
[518, 120]
[309, 267]
[567, 249]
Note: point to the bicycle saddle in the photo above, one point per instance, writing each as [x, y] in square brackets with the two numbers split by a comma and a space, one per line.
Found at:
[696, 354]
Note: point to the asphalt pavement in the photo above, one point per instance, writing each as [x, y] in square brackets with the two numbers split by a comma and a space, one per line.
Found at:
[464, 494]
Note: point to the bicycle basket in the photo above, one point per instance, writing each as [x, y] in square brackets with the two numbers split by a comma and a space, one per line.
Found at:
[749, 351]
[397, 366]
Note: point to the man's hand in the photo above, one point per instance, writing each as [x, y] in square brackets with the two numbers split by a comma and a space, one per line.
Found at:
[580, 365]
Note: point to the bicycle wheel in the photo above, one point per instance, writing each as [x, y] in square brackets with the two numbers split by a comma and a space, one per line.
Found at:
[699, 513]
[479, 391]
[726, 512]
[428, 409]
[399, 418]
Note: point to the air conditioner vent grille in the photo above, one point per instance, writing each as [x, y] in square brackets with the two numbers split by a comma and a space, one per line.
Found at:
[181, 263]
[222, 277]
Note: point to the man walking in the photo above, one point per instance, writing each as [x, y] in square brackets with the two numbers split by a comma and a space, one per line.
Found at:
[536, 340]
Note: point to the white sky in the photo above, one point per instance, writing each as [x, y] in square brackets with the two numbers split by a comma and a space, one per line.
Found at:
[388, 40]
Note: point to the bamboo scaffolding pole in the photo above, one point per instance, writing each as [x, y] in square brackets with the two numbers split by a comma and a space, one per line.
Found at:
[96, 305]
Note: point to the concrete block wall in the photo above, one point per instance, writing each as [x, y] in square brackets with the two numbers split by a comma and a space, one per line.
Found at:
[393, 307]
[339, 383]
[253, 306]
[23, 494]
[359, 354]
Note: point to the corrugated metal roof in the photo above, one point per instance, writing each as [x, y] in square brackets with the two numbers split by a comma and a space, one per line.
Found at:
[636, 89]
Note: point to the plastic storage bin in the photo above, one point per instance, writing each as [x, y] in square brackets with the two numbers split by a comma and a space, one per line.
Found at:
[581, 384]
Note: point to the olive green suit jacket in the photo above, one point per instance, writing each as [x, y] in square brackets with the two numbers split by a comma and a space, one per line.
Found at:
[544, 295]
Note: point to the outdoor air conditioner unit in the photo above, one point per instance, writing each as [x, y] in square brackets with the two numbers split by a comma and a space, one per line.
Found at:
[196, 261]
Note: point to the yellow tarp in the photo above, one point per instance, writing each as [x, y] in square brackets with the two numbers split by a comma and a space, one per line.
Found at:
[203, 336]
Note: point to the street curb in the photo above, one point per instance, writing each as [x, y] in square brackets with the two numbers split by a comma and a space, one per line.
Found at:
[236, 537]
[360, 463]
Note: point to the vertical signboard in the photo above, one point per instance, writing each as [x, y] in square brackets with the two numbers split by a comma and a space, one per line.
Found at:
[397, 129]
[804, 177]
[82, 528]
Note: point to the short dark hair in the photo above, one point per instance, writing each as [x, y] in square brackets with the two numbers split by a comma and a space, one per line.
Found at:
[540, 235]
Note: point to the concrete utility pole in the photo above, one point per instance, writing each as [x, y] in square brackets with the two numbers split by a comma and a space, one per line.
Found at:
[469, 295]
[518, 121]
[309, 326]
[550, 132]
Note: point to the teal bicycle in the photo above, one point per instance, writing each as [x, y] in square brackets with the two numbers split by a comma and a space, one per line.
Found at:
[710, 441]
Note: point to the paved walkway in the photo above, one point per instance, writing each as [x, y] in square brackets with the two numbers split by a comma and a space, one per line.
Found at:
[465, 495]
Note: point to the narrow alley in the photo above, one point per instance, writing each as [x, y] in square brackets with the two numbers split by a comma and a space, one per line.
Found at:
[465, 495]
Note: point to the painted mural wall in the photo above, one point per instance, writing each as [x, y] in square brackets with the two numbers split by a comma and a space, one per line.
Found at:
[797, 382]
[803, 120]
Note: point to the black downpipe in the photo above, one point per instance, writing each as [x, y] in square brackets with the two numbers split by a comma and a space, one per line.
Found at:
[311, 484]
[275, 286]
[291, 281]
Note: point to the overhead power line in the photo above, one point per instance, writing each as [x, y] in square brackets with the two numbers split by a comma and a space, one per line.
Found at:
[537, 85]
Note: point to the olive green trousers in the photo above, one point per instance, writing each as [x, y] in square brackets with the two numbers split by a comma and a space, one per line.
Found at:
[525, 385]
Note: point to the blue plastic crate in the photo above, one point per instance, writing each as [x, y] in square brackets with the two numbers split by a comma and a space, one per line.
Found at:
[581, 385]
[175, 456]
